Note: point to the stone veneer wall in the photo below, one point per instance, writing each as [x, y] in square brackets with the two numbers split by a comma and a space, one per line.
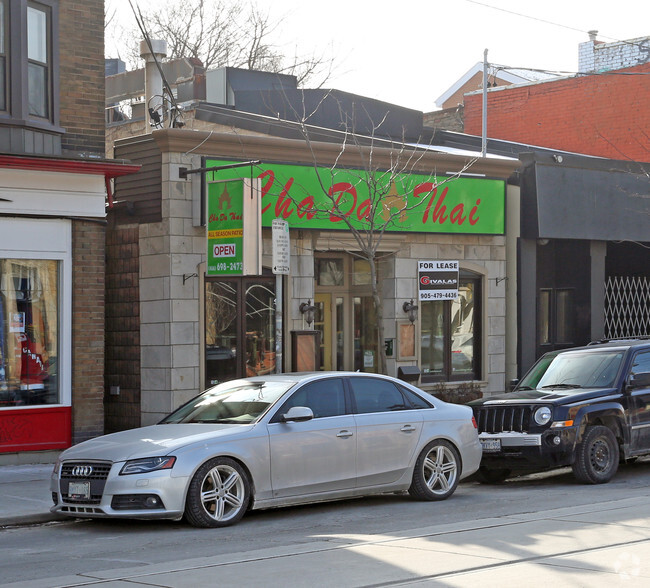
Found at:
[485, 255]
[170, 305]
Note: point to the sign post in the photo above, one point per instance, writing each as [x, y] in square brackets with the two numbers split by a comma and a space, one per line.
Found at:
[281, 266]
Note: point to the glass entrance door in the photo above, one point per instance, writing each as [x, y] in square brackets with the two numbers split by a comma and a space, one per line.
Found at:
[239, 328]
[348, 332]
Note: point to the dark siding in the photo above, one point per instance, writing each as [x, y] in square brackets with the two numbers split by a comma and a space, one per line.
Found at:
[122, 362]
[138, 197]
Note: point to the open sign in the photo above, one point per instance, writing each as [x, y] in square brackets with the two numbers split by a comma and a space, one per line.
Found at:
[224, 250]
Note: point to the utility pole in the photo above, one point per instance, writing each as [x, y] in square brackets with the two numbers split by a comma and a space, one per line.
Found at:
[484, 130]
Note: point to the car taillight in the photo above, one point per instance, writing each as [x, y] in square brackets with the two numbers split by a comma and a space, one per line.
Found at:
[474, 423]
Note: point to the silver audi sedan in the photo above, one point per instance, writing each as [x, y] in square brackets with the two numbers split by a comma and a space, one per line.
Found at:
[272, 441]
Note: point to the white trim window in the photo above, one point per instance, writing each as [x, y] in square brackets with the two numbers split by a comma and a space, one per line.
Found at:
[35, 314]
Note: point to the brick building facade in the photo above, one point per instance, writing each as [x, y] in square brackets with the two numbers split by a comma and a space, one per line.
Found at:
[81, 62]
[604, 111]
[53, 187]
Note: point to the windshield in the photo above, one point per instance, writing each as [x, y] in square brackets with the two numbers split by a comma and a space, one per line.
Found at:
[591, 369]
[238, 402]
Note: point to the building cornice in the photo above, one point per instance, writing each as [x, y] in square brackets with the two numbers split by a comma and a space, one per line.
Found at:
[245, 147]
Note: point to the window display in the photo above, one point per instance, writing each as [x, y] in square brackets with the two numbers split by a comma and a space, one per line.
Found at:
[28, 332]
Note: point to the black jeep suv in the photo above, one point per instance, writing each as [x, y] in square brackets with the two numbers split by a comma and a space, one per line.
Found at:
[587, 407]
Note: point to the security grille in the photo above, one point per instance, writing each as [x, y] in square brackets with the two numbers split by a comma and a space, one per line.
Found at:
[627, 306]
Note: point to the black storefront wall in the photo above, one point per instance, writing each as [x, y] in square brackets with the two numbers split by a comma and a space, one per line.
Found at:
[563, 270]
[575, 212]
[584, 198]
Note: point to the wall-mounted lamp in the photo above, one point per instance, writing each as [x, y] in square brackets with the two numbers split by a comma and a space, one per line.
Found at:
[307, 310]
[411, 310]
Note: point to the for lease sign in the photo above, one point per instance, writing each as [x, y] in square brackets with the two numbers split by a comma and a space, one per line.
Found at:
[438, 280]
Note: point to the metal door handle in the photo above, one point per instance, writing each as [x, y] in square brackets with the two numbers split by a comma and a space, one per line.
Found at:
[408, 429]
[345, 434]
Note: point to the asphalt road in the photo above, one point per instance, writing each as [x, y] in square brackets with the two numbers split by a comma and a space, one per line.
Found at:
[515, 523]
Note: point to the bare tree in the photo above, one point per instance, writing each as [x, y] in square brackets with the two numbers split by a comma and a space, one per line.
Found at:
[394, 178]
[221, 33]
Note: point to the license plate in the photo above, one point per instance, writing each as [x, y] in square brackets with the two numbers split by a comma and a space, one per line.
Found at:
[79, 490]
[491, 444]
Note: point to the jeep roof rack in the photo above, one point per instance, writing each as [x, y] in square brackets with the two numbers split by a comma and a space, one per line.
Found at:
[620, 339]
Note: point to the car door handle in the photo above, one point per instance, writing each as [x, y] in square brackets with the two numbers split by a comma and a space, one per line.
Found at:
[345, 434]
[408, 429]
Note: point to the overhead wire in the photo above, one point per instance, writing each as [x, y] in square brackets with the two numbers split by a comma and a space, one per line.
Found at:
[555, 24]
[175, 109]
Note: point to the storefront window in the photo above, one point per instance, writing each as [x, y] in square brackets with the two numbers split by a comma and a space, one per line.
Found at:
[29, 338]
[565, 316]
[544, 317]
[329, 271]
[450, 334]
[361, 273]
[365, 335]
[556, 316]
[260, 330]
[220, 332]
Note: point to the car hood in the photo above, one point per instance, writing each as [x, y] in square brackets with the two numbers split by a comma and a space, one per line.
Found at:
[550, 395]
[152, 441]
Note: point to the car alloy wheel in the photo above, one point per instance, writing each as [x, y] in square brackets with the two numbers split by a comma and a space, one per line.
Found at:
[218, 495]
[436, 473]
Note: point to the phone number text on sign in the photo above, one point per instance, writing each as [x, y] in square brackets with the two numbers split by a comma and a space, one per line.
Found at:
[438, 295]
[235, 266]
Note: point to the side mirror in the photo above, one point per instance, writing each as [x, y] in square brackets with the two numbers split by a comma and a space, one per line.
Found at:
[640, 380]
[298, 414]
[512, 385]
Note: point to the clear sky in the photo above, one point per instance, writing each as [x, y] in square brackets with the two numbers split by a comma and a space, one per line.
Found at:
[409, 52]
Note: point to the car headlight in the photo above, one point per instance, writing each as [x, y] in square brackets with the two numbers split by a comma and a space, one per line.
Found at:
[543, 415]
[147, 464]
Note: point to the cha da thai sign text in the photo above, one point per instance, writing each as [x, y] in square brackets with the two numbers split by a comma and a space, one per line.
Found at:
[321, 198]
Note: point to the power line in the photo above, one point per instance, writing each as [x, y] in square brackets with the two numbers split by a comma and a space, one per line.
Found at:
[175, 109]
[549, 22]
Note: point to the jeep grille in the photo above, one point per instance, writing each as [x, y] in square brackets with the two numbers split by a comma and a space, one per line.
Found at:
[497, 419]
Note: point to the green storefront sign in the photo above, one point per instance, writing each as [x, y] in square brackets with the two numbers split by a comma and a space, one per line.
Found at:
[225, 228]
[318, 198]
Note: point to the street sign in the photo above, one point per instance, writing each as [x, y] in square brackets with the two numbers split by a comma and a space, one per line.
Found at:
[281, 246]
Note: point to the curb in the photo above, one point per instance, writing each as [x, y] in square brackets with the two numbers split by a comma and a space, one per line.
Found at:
[31, 519]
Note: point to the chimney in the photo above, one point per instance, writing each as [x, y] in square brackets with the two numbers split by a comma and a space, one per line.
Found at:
[153, 83]
[586, 53]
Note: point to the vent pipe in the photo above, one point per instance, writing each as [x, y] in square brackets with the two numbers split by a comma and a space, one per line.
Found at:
[153, 82]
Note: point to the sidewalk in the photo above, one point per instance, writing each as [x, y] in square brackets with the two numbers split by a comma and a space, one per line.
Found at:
[25, 497]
